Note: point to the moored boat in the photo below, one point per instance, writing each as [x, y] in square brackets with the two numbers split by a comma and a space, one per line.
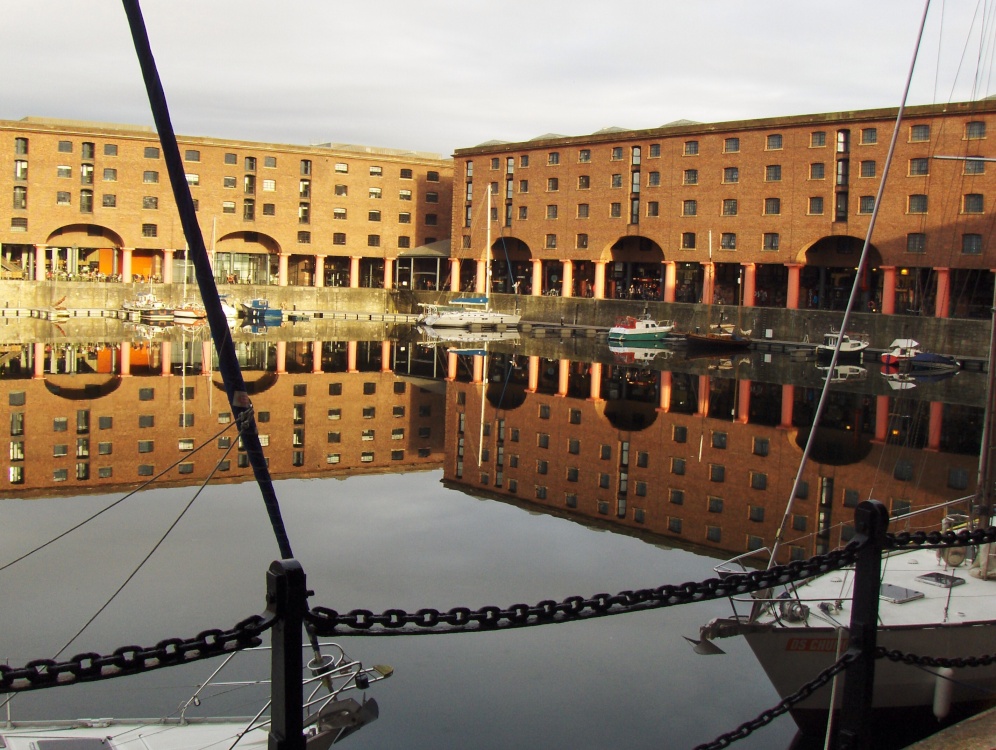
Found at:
[465, 312]
[631, 328]
[851, 346]
[258, 311]
[148, 308]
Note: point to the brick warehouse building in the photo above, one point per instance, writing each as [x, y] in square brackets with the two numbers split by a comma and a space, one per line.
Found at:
[773, 212]
[93, 200]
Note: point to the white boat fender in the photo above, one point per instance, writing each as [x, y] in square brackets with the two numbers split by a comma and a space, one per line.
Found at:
[943, 687]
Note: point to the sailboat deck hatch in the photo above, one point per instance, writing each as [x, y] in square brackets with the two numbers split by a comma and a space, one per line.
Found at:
[899, 594]
[943, 580]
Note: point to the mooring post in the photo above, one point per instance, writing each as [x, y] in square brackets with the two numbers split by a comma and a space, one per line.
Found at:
[287, 597]
[871, 521]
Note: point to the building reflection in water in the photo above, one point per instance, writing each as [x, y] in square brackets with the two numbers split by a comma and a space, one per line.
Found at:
[702, 451]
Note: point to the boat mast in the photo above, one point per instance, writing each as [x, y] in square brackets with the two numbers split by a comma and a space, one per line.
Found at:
[487, 251]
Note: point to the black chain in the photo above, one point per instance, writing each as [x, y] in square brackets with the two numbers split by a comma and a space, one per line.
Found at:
[327, 622]
[766, 717]
[940, 539]
[128, 660]
[956, 662]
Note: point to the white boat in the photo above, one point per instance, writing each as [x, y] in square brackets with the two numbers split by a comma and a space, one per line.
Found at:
[844, 373]
[931, 604]
[189, 311]
[463, 335]
[628, 354]
[850, 345]
[328, 716]
[467, 312]
[631, 328]
[900, 350]
[147, 307]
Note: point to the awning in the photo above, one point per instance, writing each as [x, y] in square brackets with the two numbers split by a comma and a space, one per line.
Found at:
[439, 249]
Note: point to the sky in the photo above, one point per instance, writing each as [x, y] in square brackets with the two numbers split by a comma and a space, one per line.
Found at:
[438, 75]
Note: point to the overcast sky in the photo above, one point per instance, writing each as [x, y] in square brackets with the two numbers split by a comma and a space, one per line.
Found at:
[437, 75]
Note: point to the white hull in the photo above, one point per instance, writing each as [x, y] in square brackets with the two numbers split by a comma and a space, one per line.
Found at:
[153, 734]
[468, 318]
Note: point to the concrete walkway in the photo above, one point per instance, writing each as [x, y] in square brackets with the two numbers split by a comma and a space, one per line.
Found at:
[976, 733]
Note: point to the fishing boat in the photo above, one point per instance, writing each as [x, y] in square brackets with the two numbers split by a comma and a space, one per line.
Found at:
[851, 346]
[906, 355]
[628, 354]
[631, 328]
[718, 339]
[189, 312]
[467, 312]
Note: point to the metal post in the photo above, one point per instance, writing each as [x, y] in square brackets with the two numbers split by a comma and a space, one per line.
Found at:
[871, 520]
[287, 596]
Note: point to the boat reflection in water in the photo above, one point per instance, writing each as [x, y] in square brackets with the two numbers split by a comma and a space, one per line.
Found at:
[692, 456]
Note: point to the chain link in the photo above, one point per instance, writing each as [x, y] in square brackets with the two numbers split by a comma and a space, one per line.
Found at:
[955, 662]
[328, 622]
[766, 717]
[940, 539]
[128, 660]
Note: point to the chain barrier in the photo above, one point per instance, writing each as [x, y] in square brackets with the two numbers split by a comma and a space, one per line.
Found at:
[129, 660]
[939, 539]
[766, 717]
[327, 622]
[955, 662]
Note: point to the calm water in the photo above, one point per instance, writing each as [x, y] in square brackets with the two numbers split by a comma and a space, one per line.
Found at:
[378, 542]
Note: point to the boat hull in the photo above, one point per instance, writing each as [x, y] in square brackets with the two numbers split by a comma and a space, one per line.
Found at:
[468, 318]
[793, 656]
[716, 342]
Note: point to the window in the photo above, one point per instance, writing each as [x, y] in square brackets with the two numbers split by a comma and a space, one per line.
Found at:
[430, 221]
[551, 212]
[688, 240]
[86, 201]
[551, 241]
[866, 204]
[582, 210]
[248, 209]
[304, 237]
[975, 166]
[691, 148]
[655, 150]
[868, 168]
[817, 171]
[339, 213]
[731, 145]
[615, 210]
[971, 244]
[731, 174]
[617, 153]
[21, 170]
[728, 241]
[770, 241]
[584, 182]
[553, 158]
[429, 197]
[918, 204]
[817, 139]
[60, 171]
[715, 504]
[584, 155]
[653, 208]
[20, 196]
[192, 179]
[916, 242]
[66, 147]
[691, 177]
[758, 481]
[150, 177]
[150, 202]
[869, 136]
[371, 215]
[18, 224]
[919, 167]
[729, 207]
[773, 142]
[773, 173]
[973, 203]
[689, 208]
[228, 207]
[373, 240]
[772, 206]
[552, 184]
[975, 130]
[653, 179]
[523, 212]
[815, 206]
[677, 466]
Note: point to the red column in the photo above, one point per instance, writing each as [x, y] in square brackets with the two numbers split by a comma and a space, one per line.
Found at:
[794, 282]
[166, 354]
[480, 284]
[451, 366]
[942, 303]
[881, 418]
[319, 271]
[670, 275]
[567, 287]
[316, 356]
[39, 360]
[354, 272]
[788, 404]
[934, 429]
[888, 290]
[596, 381]
[478, 369]
[702, 408]
[351, 356]
[743, 401]
[454, 274]
[388, 273]
[599, 291]
[708, 282]
[385, 356]
[281, 357]
[533, 375]
[563, 375]
[664, 403]
[168, 266]
[282, 269]
[750, 273]
[538, 277]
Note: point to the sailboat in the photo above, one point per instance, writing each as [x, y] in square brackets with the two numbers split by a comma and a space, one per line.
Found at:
[465, 312]
[939, 604]
[721, 337]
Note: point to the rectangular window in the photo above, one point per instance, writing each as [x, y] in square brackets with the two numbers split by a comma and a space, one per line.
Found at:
[866, 204]
[731, 145]
[691, 177]
[919, 167]
[731, 174]
[869, 136]
[772, 206]
[715, 504]
[919, 133]
[817, 171]
[868, 168]
[688, 240]
[150, 230]
[773, 173]
[553, 158]
[973, 203]
[916, 242]
[918, 204]
[975, 130]
[975, 166]
[677, 466]
[615, 210]
[773, 142]
[552, 184]
[971, 244]
[729, 207]
[150, 177]
[689, 208]
[770, 241]
[815, 206]
[817, 139]
[151, 152]
[653, 208]
[728, 241]
[691, 148]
